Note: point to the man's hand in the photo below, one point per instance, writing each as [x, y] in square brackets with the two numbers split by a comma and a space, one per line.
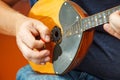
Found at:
[26, 30]
[26, 39]
[113, 27]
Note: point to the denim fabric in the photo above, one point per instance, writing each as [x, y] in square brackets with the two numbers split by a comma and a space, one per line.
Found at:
[26, 73]
[32, 2]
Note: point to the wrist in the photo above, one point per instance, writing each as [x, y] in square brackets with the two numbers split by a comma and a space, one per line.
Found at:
[20, 19]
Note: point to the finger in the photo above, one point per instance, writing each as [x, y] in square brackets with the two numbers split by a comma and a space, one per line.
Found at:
[32, 55]
[43, 60]
[117, 12]
[42, 57]
[44, 32]
[31, 42]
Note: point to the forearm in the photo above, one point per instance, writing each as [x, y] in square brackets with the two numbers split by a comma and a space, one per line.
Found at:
[9, 19]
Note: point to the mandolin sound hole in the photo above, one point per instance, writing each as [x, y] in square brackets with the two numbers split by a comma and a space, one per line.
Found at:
[56, 35]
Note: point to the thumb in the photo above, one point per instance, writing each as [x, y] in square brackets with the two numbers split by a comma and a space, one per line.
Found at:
[44, 32]
[45, 35]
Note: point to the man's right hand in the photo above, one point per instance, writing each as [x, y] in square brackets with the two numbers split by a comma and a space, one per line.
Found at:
[26, 34]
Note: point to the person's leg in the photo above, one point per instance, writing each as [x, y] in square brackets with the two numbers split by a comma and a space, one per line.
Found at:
[26, 73]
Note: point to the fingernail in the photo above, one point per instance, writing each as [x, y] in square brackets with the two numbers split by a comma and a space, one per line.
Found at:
[47, 59]
[47, 38]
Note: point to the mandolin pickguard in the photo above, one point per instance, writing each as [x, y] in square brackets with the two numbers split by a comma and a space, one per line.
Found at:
[70, 44]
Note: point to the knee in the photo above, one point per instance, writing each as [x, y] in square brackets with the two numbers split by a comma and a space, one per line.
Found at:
[21, 74]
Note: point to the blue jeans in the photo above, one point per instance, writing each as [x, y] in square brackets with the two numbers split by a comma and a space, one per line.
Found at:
[26, 73]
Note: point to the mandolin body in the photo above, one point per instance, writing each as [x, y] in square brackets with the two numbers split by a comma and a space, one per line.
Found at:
[74, 43]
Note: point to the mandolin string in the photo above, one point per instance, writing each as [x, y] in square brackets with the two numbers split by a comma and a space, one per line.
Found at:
[81, 25]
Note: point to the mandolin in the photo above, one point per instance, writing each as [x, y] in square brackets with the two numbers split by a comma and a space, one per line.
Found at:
[72, 32]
